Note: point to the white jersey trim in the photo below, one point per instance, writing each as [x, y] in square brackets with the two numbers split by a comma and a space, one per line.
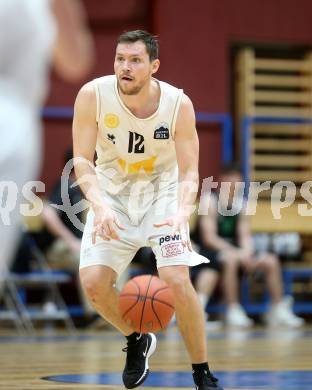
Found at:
[98, 100]
[176, 111]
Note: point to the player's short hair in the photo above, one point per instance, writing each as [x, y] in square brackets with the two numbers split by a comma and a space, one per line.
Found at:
[150, 41]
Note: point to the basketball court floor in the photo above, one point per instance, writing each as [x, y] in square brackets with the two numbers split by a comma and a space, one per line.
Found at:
[256, 359]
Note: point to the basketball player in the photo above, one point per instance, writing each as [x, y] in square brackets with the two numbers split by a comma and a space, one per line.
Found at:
[33, 35]
[141, 192]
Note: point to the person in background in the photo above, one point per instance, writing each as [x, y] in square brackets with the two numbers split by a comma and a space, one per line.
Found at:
[227, 241]
[63, 237]
[205, 278]
[34, 35]
[57, 237]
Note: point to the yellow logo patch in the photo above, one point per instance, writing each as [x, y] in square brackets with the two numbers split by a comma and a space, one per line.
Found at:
[111, 121]
[146, 165]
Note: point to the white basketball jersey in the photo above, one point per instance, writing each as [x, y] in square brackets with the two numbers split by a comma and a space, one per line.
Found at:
[135, 155]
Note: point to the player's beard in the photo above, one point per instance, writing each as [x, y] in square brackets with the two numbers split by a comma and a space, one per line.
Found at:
[131, 90]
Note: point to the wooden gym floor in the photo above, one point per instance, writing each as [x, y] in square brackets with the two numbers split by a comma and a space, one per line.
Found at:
[253, 360]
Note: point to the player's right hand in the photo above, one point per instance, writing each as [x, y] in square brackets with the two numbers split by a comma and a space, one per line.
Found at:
[105, 224]
[179, 223]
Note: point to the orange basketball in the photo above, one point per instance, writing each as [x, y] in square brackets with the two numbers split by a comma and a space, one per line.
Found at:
[146, 303]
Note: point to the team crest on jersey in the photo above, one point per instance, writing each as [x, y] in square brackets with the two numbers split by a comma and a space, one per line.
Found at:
[111, 121]
[162, 131]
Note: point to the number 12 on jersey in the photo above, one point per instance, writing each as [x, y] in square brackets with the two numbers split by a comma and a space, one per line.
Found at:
[136, 143]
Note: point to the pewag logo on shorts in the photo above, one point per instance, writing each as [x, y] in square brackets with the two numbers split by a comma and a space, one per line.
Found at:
[174, 237]
[171, 245]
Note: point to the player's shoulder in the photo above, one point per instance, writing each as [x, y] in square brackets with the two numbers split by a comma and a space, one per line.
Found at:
[186, 116]
[169, 89]
[186, 101]
[108, 80]
[186, 109]
[185, 105]
[172, 88]
[86, 95]
[89, 88]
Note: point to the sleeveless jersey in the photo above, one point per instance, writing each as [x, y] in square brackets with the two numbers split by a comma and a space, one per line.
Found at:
[135, 156]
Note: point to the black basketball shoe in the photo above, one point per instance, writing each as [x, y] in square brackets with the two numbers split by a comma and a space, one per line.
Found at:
[138, 352]
[206, 381]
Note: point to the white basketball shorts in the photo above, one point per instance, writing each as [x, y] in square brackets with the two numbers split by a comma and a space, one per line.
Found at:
[138, 221]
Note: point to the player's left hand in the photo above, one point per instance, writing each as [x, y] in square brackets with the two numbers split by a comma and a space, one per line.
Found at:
[180, 225]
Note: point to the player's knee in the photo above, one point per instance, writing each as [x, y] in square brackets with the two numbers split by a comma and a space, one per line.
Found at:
[179, 284]
[96, 284]
[270, 262]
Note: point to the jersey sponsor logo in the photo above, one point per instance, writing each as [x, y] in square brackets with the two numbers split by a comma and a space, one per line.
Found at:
[146, 165]
[162, 131]
[111, 138]
[173, 237]
[172, 249]
[171, 245]
[111, 120]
